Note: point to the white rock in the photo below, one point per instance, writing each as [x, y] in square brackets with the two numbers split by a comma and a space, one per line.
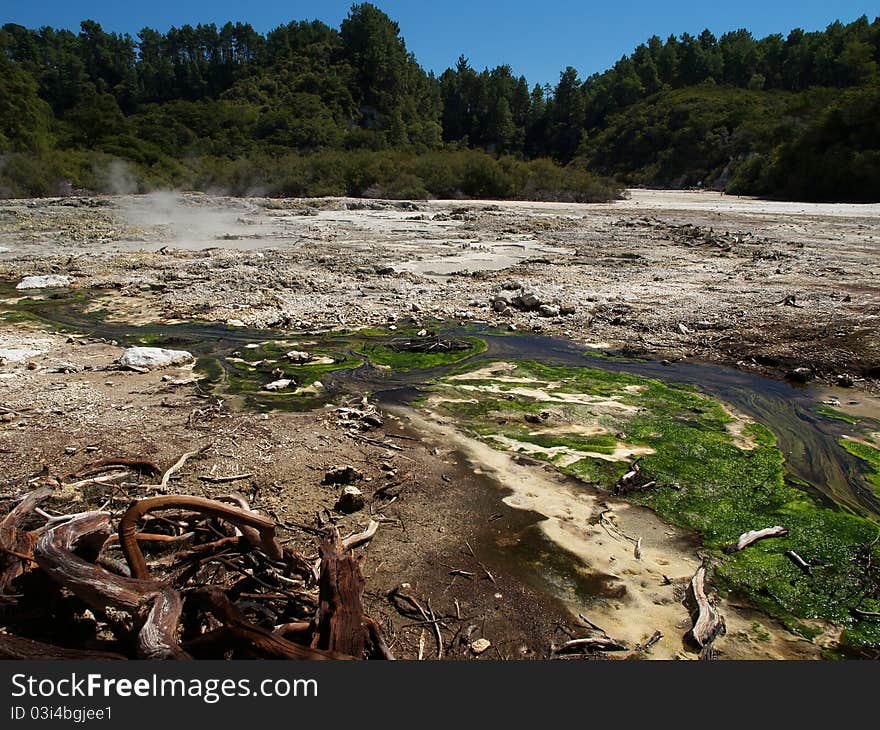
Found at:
[300, 357]
[153, 357]
[43, 282]
[280, 384]
[479, 646]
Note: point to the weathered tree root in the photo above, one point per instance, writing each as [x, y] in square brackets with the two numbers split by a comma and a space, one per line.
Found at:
[239, 517]
[753, 536]
[16, 547]
[68, 551]
[98, 588]
[16, 647]
[708, 624]
[255, 640]
[340, 618]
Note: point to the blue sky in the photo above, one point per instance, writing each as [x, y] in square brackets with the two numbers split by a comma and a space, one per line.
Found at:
[538, 39]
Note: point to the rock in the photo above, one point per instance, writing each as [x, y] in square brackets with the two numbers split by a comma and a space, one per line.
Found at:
[567, 308]
[342, 475]
[350, 500]
[548, 310]
[280, 384]
[65, 367]
[300, 357]
[153, 357]
[844, 381]
[801, 375]
[479, 646]
[235, 323]
[528, 299]
[44, 282]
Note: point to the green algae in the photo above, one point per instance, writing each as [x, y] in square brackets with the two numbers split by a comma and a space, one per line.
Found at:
[379, 353]
[870, 455]
[834, 414]
[715, 475]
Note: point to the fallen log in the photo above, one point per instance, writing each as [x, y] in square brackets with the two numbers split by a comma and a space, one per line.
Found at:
[99, 589]
[709, 624]
[235, 515]
[753, 536]
[16, 547]
[340, 618]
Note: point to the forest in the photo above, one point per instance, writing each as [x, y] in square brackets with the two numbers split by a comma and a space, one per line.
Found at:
[307, 109]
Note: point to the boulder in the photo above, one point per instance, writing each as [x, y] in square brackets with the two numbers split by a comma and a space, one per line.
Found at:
[44, 282]
[548, 310]
[153, 357]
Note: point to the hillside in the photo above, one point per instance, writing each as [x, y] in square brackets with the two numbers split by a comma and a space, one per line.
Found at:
[307, 109]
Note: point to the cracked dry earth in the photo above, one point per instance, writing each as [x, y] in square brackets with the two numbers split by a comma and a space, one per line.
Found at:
[767, 287]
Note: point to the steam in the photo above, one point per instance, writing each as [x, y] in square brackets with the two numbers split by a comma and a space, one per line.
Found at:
[189, 220]
[117, 177]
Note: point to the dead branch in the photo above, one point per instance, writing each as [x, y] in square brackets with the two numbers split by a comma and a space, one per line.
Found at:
[98, 588]
[799, 562]
[239, 517]
[253, 639]
[709, 624]
[753, 536]
[353, 541]
[16, 547]
[16, 647]
[340, 619]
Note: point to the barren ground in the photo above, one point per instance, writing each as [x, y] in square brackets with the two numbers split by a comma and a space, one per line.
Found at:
[766, 287]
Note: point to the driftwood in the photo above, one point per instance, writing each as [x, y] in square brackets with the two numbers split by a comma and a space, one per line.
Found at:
[16, 546]
[98, 588]
[16, 647]
[254, 639]
[799, 562]
[708, 624]
[360, 538]
[594, 643]
[96, 467]
[753, 536]
[240, 517]
[243, 582]
[428, 344]
[340, 618]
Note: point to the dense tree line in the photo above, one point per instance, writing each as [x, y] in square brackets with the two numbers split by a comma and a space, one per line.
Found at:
[732, 111]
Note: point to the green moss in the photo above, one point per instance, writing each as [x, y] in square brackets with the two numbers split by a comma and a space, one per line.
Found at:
[708, 480]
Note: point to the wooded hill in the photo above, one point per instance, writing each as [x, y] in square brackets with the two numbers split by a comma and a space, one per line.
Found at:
[307, 109]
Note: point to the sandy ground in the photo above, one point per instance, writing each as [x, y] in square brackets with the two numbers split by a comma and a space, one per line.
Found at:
[766, 287]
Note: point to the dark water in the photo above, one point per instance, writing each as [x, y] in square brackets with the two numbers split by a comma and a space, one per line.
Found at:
[810, 442]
